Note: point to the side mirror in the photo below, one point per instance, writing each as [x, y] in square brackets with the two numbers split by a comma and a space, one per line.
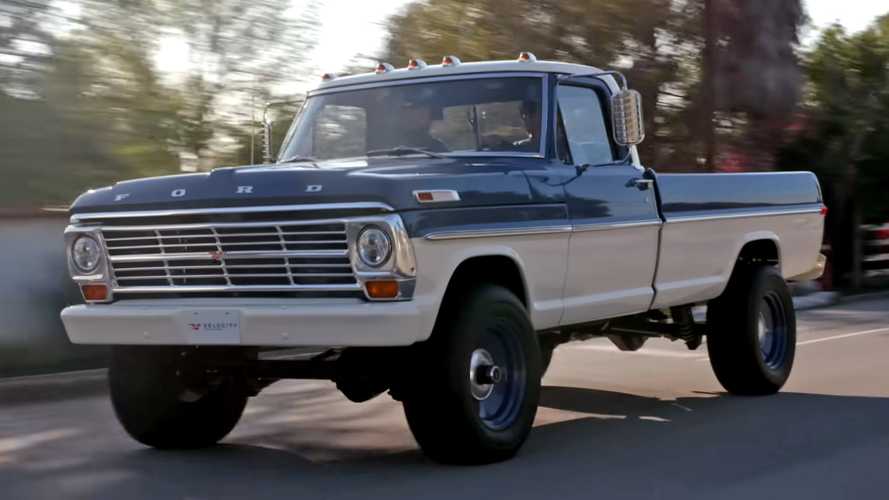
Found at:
[626, 118]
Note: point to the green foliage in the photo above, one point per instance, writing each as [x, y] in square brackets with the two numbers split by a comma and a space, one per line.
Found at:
[89, 106]
[657, 43]
[846, 119]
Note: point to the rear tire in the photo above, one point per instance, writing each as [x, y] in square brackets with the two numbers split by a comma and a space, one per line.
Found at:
[454, 415]
[547, 348]
[752, 332]
[158, 409]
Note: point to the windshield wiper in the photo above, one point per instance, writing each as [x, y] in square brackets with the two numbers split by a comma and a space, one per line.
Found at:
[298, 159]
[403, 151]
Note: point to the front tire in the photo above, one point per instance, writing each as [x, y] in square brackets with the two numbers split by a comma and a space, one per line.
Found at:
[478, 380]
[752, 332]
[157, 408]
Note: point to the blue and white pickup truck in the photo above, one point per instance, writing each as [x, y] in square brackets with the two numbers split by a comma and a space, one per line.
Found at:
[434, 231]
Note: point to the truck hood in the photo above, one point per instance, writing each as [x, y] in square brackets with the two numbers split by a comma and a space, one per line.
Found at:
[391, 181]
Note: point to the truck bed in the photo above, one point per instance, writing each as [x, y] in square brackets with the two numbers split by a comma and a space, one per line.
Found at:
[709, 218]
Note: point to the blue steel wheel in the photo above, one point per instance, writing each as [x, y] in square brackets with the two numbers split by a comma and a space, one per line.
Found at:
[772, 331]
[497, 378]
[478, 395]
[751, 332]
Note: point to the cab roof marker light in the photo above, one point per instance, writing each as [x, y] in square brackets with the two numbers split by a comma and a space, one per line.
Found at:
[450, 61]
[416, 64]
[526, 57]
[383, 68]
[326, 77]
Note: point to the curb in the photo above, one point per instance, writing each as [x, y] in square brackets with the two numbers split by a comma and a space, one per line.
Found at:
[52, 387]
[815, 300]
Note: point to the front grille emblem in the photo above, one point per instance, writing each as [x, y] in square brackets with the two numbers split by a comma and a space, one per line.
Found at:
[217, 255]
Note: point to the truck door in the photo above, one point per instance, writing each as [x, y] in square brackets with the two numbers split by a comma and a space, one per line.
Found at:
[613, 249]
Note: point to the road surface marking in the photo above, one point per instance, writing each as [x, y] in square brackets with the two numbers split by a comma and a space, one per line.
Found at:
[843, 336]
[834, 337]
[682, 407]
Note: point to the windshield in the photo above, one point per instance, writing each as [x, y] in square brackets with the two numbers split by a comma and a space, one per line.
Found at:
[449, 117]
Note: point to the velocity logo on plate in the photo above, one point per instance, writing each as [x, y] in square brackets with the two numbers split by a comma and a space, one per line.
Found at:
[212, 326]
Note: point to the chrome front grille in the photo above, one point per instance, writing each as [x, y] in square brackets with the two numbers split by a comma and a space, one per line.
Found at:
[231, 257]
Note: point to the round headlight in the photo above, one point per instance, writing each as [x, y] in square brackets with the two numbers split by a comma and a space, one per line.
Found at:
[374, 246]
[86, 254]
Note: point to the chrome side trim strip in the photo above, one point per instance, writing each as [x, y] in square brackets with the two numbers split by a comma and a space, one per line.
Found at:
[490, 233]
[742, 215]
[381, 207]
[605, 226]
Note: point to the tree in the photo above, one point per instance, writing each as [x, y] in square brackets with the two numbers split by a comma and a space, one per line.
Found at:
[659, 44]
[90, 107]
[843, 127]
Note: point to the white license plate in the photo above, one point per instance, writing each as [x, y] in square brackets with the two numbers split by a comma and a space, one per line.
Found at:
[212, 326]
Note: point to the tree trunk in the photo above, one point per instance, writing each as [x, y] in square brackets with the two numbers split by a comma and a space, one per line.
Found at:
[709, 87]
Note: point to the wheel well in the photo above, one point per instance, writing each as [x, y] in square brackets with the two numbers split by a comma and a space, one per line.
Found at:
[760, 251]
[492, 269]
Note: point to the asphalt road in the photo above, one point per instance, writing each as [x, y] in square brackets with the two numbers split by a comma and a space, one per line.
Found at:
[651, 424]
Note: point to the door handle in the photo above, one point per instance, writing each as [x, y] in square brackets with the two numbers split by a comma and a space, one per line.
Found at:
[641, 184]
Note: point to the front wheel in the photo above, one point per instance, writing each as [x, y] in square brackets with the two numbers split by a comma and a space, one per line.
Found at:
[752, 332]
[160, 406]
[478, 381]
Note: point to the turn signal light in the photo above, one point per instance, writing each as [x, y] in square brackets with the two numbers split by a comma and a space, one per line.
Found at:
[384, 289]
[94, 292]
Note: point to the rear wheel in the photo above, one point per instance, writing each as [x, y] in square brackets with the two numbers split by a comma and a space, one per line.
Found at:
[480, 381]
[752, 332]
[161, 405]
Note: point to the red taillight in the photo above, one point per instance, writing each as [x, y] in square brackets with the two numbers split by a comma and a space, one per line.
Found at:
[824, 210]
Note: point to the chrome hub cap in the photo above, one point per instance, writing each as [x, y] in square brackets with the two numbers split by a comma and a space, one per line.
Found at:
[483, 374]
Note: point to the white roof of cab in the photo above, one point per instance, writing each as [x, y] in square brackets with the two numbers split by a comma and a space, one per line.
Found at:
[464, 69]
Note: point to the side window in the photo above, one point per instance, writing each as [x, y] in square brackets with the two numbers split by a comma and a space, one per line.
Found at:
[584, 126]
[340, 132]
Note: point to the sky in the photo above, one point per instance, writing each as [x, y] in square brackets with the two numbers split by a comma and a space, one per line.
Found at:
[855, 15]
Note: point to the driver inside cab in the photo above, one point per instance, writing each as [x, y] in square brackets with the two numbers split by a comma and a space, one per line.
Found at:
[531, 119]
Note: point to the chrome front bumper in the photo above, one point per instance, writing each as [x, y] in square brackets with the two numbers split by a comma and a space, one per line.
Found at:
[344, 322]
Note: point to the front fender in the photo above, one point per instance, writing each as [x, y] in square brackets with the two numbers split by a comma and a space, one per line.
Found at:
[541, 260]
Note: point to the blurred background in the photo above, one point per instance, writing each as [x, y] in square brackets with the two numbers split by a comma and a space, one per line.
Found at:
[92, 92]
